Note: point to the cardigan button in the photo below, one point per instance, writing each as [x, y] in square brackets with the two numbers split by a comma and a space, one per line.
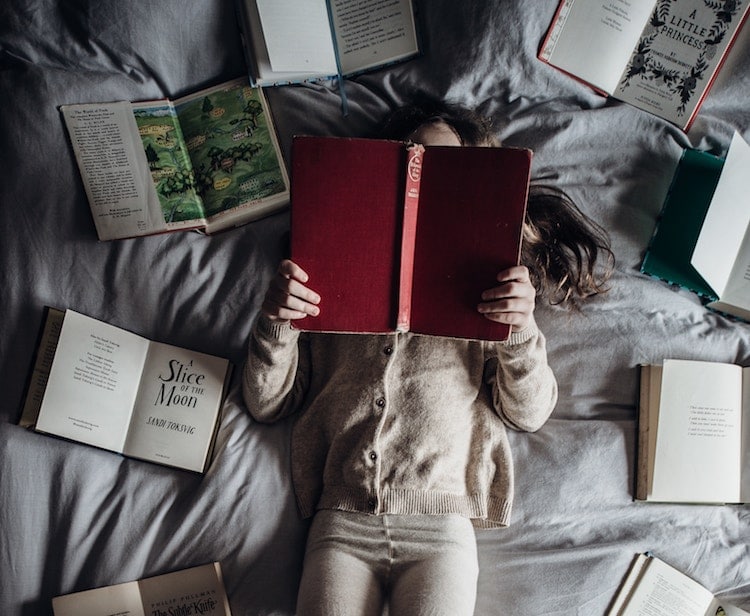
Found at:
[388, 350]
[373, 456]
[380, 402]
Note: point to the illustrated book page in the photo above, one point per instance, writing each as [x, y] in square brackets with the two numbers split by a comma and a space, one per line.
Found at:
[401, 237]
[677, 56]
[195, 591]
[697, 450]
[210, 160]
[238, 167]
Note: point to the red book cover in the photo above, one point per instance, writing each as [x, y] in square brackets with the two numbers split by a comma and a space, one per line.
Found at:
[372, 216]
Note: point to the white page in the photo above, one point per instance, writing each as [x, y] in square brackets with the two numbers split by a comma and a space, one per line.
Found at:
[722, 252]
[298, 36]
[93, 382]
[371, 34]
[664, 591]
[120, 599]
[595, 38]
[698, 441]
[177, 406]
[114, 169]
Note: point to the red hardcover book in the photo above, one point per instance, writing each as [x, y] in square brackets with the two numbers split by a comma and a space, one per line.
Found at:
[398, 236]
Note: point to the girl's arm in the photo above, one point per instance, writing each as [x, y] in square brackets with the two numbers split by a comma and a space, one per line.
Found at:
[275, 374]
[524, 390]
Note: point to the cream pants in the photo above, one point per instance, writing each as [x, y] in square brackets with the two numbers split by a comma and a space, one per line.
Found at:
[415, 565]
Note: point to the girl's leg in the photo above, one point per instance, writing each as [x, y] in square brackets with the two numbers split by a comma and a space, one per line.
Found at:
[435, 566]
[342, 565]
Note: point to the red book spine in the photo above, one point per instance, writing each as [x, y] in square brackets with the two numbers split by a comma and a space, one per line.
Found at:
[415, 153]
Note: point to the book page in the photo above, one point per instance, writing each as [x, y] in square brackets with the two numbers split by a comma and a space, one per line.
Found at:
[117, 600]
[198, 591]
[593, 39]
[298, 36]
[177, 408]
[675, 59]
[237, 161]
[169, 164]
[93, 382]
[722, 252]
[662, 590]
[698, 440]
[114, 169]
[370, 34]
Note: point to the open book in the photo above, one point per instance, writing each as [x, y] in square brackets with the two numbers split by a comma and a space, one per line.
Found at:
[702, 239]
[398, 236]
[693, 433]
[189, 592]
[207, 161]
[289, 41]
[660, 56]
[654, 588]
[104, 386]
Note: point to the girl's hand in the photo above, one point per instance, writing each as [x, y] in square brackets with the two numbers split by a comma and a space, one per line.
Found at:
[287, 297]
[512, 301]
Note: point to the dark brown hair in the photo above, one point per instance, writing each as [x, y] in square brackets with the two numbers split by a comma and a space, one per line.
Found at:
[568, 255]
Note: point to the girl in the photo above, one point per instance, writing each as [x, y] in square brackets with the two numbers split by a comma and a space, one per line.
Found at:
[399, 447]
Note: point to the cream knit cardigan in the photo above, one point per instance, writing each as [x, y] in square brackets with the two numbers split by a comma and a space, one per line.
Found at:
[400, 423]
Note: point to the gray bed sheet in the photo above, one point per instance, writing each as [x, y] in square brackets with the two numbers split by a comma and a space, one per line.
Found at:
[73, 517]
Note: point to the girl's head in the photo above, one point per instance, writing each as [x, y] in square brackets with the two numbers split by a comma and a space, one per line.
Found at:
[561, 245]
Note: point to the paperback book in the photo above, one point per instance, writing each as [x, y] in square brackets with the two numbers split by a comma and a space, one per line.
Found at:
[693, 433]
[208, 161]
[701, 241]
[661, 56]
[654, 588]
[290, 41]
[197, 591]
[101, 385]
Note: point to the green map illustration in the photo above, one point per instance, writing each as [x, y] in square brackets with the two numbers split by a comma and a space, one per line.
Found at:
[210, 153]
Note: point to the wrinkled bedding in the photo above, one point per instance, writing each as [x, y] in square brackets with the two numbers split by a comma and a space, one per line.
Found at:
[73, 517]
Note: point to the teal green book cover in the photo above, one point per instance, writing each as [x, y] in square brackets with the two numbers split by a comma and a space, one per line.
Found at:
[679, 224]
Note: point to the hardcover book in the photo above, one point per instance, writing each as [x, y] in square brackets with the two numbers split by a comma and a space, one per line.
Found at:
[654, 588]
[701, 241]
[101, 385]
[207, 161]
[197, 591]
[290, 41]
[398, 236]
[693, 426]
[661, 56]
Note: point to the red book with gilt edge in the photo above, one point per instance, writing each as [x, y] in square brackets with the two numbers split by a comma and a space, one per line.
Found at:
[396, 236]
